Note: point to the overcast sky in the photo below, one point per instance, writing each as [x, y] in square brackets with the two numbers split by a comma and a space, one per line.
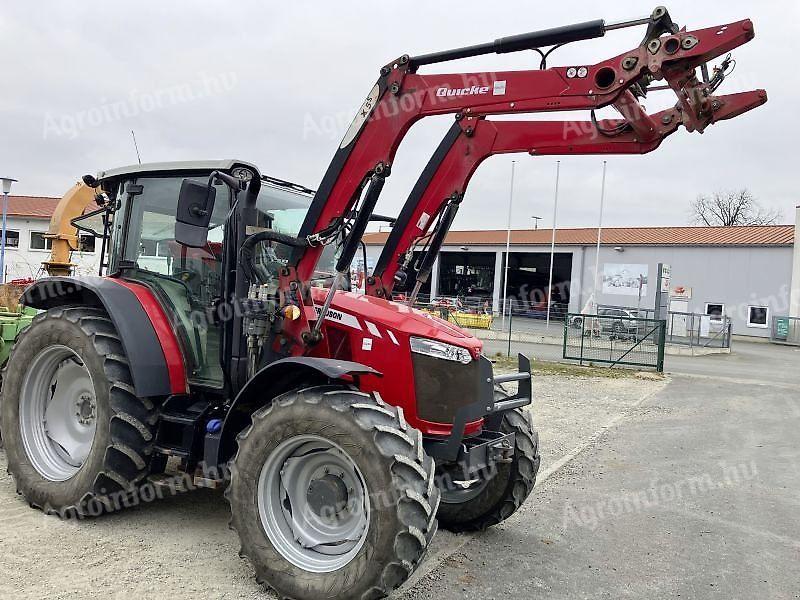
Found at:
[278, 87]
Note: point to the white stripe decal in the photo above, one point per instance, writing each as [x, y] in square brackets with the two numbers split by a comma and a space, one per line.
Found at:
[394, 339]
[338, 316]
[373, 329]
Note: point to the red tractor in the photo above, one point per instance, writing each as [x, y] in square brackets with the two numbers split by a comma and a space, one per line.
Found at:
[223, 340]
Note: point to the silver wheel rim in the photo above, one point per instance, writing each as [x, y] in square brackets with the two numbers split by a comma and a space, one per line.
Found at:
[57, 413]
[313, 504]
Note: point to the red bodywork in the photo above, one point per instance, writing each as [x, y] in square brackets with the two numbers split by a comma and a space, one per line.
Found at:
[165, 332]
[388, 326]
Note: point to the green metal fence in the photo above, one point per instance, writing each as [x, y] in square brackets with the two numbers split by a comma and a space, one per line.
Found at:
[11, 323]
[615, 340]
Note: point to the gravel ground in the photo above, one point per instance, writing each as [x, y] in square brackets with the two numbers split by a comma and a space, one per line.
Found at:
[182, 545]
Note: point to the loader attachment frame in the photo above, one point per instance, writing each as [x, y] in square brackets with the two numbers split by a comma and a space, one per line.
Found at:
[472, 140]
[401, 97]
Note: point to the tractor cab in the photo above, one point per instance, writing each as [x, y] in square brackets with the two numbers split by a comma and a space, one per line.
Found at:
[189, 281]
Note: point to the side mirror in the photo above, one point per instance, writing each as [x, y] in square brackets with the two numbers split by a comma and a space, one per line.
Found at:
[195, 205]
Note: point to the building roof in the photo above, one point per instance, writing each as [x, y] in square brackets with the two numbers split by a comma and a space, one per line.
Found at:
[35, 207]
[762, 235]
[42, 207]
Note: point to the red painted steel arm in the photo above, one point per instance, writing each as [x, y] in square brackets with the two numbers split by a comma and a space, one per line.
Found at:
[402, 96]
[477, 139]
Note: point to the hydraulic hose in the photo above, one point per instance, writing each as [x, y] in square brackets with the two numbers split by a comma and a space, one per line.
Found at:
[249, 245]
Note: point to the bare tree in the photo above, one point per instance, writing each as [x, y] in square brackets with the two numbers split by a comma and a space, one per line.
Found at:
[732, 208]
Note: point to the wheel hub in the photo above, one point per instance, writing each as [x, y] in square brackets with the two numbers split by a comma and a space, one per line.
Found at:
[86, 409]
[327, 496]
[313, 503]
[57, 413]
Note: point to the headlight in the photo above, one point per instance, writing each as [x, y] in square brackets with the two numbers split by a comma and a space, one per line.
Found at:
[440, 350]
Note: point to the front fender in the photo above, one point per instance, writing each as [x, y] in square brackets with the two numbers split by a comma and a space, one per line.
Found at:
[272, 381]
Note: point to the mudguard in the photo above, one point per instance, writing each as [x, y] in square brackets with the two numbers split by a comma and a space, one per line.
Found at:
[144, 351]
[271, 381]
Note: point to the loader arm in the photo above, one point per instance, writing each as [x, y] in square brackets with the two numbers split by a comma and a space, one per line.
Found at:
[401, 97]
[472, 140]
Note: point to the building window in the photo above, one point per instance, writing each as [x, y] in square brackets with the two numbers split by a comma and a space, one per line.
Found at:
[715, 311]
[12, 239]
[39, 242]
[757, 316]
[86, 243]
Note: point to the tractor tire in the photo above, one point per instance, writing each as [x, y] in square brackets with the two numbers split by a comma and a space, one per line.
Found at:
[378, 525]
[78, 440]
[496, 498]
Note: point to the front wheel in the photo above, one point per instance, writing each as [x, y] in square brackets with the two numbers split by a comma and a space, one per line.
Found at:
[332, 495]
[497, 494]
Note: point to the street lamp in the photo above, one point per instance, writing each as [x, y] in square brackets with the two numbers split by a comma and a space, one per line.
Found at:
[536, 219]
[6, 182]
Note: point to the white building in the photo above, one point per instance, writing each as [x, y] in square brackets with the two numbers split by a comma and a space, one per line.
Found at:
[744, 273]
[26, 247]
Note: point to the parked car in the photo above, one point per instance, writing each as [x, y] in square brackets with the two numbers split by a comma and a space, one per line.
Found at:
[618, 322]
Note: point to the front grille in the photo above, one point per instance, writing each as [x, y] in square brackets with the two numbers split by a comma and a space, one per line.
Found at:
[443, 387]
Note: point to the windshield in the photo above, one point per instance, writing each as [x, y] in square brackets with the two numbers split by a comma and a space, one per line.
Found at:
[283, 210]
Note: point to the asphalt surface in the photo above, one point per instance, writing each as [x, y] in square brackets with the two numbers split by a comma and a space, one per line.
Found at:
[694, 494]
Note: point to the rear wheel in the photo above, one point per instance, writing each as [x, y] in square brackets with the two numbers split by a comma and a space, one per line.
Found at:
[77, 438]
[494, 496]
[332, 495]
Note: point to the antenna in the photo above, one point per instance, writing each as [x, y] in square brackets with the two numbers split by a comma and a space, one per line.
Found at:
[135, 145]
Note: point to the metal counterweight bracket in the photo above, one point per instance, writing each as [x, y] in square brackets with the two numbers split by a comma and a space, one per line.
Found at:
[452, 448]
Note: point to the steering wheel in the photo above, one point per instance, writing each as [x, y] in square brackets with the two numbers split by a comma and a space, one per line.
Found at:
[185, 276]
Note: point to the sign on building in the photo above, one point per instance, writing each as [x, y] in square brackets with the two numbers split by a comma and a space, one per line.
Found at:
[680, 292]
[666, 278]
[624, 279]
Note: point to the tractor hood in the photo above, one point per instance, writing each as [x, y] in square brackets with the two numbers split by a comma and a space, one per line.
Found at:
[372, 315]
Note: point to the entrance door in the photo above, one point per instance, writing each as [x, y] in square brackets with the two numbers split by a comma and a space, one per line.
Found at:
[187, 281]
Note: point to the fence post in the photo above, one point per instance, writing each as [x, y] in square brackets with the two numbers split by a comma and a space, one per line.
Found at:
[662, 339]
[610, 345]
[510, 320]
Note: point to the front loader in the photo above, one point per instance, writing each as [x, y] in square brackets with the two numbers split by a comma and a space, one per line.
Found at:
[224, 340]
[433, 204]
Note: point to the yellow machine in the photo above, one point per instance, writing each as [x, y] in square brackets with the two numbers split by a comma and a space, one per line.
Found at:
[63, 233]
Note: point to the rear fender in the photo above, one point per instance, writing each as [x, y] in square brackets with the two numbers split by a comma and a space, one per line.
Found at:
[144, 350]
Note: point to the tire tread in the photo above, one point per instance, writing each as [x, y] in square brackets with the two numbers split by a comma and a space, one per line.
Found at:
[402, 451]
[126, 460]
